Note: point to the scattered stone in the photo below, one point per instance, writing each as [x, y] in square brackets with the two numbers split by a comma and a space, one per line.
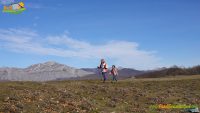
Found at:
[6, 99]
[20, 106]
[14, 98]
[111, 104]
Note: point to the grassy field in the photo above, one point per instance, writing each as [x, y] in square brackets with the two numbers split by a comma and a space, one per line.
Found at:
[126, 96]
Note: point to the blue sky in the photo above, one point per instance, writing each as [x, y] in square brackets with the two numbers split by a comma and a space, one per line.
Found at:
[141, 34]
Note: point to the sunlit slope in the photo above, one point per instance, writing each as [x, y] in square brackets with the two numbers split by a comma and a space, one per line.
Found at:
[127, 96]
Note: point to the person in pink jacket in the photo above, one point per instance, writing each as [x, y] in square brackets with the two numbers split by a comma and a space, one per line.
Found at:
[104, 69]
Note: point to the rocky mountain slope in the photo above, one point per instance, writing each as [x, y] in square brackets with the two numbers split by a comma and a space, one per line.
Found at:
[49, 71]
[41, 72]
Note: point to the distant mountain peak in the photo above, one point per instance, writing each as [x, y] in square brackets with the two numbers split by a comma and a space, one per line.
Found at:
[48, 66]
[46, 71]
[50, 63]
[120, 67]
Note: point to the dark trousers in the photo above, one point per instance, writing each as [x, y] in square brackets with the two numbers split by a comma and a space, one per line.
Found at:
[104, 76]
[114, 78]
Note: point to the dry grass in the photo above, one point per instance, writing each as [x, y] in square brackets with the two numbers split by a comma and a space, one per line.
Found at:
[127, 96]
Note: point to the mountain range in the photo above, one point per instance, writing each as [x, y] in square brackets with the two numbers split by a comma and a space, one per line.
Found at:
[172, 71]
[51, 70]
[41, 72]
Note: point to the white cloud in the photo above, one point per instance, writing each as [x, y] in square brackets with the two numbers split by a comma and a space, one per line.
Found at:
[121, 53]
